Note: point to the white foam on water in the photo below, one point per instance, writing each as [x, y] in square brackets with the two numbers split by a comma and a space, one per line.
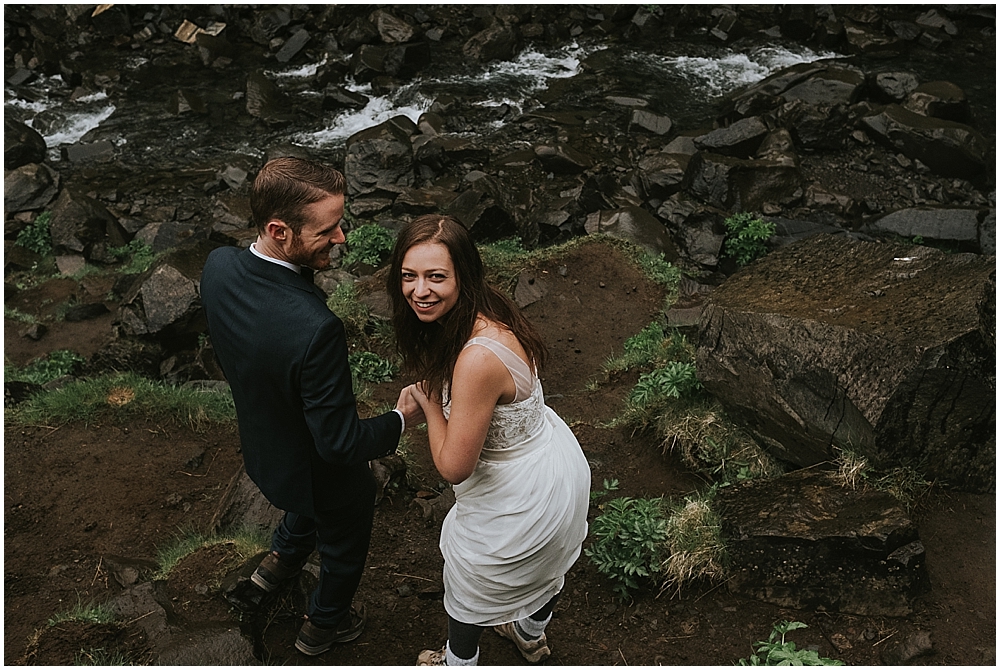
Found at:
[378, 110]
[302, 72]
[32, 106]
[718, 76]
[78, 125]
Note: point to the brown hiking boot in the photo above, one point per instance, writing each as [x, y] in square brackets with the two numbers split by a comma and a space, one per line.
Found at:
[533, 650]
[273, 573]
[432, 656]
[314, 640]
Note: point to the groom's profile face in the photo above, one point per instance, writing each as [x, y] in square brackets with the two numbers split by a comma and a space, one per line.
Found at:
[311, 246]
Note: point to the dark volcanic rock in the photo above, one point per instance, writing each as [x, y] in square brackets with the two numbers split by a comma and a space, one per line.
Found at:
[83, 225]
[831, 344]
[380, 158]
[31, 186]
[21, 145]
[805, 541]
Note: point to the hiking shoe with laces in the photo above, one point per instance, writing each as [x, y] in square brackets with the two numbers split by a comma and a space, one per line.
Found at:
[273, 573]
[533, 650]
[432, 656]
[314, 640]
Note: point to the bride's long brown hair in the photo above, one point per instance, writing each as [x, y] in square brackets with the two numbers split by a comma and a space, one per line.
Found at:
[429, 350]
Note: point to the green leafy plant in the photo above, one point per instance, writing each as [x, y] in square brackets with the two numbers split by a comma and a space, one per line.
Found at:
[17, 315]
[628, 541]
[138, 255]
[56, 364]
[370, 367]
[369, 244]
[609, 486]
[747, 237]
[343, 302]
[778, 651]
[674, 380]
[36, 235]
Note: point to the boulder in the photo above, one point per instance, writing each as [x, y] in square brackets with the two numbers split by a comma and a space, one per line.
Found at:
[426, 200]
[940, 99]
[29, 187]
[807, 541]
[740, 139]
[337, 98]
[498, 42]
[213, 643]
[946, 147]
[696, 229]
[380, 158]
[863, 40]
[292, 46]
[242, 505]
[830, 343]
[660, 174]
[164, 235]
[493, 211]
[439, 151]
[164, 302]
[357, 32]
[391, 30]
[941, 224]
[828, 87]
[21, 145]
[764, 95]
[265, 100]
[80, 224]
[895, 86]
[734, 184]
[660, 124]
[635, 225]
[561, 158]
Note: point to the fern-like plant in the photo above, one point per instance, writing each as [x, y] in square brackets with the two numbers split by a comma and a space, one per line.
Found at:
[36, 236]
[369, 245]
[747, 237]
[674, 380]
[628, 541]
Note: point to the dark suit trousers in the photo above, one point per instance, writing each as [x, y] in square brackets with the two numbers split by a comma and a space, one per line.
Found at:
[341, 536]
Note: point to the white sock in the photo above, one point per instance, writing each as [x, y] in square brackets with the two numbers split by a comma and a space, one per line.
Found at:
[451, 659]
[531, 628]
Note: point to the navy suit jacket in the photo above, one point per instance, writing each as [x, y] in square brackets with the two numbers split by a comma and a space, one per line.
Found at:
[284, 354]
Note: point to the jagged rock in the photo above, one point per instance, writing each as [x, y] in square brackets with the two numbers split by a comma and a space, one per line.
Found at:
[81, 224]
[371, 61]
[940, 99]
[493, 211]
[895, 86]
[943, 224]
[787, 231]
[439, 151]
[380, 158]
[562, 158]
[817, 198]
[740, 139]
[128, 571]
[830, 343]
[635, 225]
[863, 40]
[81, 151]
[242, 504]
[184, 101]
[16, 392]
[948, 148]
[265, 100]
[140, 604]
[357, 32]
[806, 541]
[209, 644]
[268, 23]
[21, 145]
[763, 96]
[734, 184]
[933, 19]
[827, 88]
[659, 124]
[163, 235]
[214, 50]
[164, 301]
[85, 312]
[696, 229]
[392, 30]
[293, 46]
[815, 127]
[338, 97]
[660, 174]
[498, 42]
[988, 233]
[29, 187]
[423, 201]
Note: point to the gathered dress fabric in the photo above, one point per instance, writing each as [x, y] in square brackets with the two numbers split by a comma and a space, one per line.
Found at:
[520, 519]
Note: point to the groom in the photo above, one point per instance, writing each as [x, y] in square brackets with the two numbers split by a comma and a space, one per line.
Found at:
[285, 356]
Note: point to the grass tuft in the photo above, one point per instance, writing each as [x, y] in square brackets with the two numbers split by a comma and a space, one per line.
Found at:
[92, 613]
[245, 542]
[694, 542]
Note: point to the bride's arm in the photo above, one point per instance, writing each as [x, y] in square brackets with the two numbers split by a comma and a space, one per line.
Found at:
[478, 382]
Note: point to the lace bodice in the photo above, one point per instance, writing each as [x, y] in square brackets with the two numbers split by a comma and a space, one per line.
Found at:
[515, 422]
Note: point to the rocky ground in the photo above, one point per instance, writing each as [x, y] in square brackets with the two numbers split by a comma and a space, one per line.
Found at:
[82, 501]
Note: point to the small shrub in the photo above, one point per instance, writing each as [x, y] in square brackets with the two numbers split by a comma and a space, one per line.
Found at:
[779, 652]
[369, 245]
[675, 380]
[628, 541]
[139, 255]
[747, 238]
[345, 304]
[41, 371]
[36, 235]
[609, 486]
[370, 367]
[18, 315]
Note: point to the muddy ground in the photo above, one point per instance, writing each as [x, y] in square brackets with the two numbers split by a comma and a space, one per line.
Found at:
[77, 497]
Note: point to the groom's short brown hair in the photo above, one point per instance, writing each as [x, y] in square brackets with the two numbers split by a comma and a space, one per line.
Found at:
[285, 186]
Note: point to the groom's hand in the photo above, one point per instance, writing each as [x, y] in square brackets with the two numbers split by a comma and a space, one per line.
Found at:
[413, 414]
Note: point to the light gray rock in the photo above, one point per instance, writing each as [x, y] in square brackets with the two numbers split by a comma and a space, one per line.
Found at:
[896, 86]
[391, 29]
[932, 223]
[940, 99]
[659, 124]
[740, 139]
[29, 187]
[380, 158]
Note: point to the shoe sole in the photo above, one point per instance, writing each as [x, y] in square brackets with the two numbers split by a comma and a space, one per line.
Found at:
[533, 657]
[267, 586]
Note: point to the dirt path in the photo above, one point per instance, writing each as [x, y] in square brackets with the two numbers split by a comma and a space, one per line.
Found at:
[78, 498]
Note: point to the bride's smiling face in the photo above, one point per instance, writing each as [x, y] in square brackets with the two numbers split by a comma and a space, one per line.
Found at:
[428, 281]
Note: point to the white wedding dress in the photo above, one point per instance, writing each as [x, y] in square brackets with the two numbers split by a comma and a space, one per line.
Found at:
[520, 519]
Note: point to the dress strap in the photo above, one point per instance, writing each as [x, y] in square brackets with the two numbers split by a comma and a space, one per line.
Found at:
[524, 379]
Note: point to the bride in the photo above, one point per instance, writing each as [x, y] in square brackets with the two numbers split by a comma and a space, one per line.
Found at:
[520, 478]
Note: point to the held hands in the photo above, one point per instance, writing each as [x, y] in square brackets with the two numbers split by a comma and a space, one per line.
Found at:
[413, 412]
